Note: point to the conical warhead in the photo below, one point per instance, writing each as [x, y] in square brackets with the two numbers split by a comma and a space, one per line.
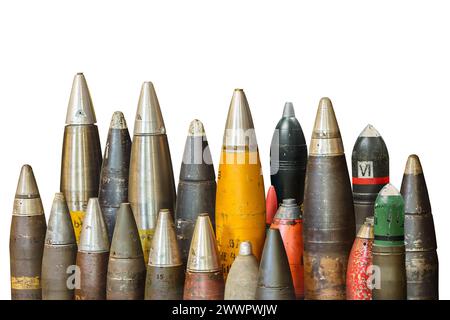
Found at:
[27, 186]
[288, 110]
[126, 242]
[245, 248]
[80, 109]
[60, 229]
[149, 120]
[239, 129]
[203, 253]
[196, 129]
[389, 190]
[326, 137]
[274, 271]
[27, 200]
[413, 165]
[164, 251]
[369, 132]
[118, 121]
[94, 235]
[366, 230]
[414, 188]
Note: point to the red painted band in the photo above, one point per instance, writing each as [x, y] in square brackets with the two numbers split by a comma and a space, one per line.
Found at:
[378, 180]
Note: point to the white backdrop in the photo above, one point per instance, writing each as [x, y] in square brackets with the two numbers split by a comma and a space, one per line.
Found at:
[386, 63]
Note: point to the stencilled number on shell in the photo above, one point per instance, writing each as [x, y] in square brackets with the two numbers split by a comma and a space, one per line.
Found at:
[365, 169]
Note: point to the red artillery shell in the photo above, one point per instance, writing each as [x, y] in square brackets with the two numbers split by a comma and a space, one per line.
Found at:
[204, 286]
[359, 261]
[93, 268]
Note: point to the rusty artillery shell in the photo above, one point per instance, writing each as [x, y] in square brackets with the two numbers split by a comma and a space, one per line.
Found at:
[359, 264]
[422, 265]
[126, 266]
[114, 173]
[204, 278]
[165, 270]
[151, 184]
[289, 221]
[370, 172]
[81, 153]
[26, 242]
[288, 157]
[328, 217]
[92, 256]
[274, 278]
[243, 276]
[60, 253]
[240, 200]
[196, 188]
[271, 205]
[389, 271]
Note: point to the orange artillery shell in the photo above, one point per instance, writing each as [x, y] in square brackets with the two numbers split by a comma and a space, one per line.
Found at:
[240, 198]
[358, 263]
[288, 221]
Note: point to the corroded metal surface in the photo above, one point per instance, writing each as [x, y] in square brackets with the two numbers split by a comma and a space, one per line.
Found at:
[26, 244]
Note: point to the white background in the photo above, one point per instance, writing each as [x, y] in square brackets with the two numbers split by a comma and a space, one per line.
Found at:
[381, 62]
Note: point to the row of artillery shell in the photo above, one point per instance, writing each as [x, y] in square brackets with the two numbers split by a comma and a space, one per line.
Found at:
[141, 173]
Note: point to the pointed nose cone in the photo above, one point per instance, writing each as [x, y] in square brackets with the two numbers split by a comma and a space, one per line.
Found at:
[27, 199]
[149, 120]
[366, 230]
[196, 129]
[164, 251]
[274, 270]
[271, 205]
[370, 132]
[239, 129]
[94, 235]
[118, 121]
[80, 109]
[288, 110]
[27, 186]
[326, 137]
[203, 256]
[413, 165]
[126, 243]
[389, 190]
[415, 192]
[60, 229]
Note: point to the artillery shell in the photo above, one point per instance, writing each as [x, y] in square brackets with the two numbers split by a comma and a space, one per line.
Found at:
[196, 188]
[26, 243]
[126, 266]
[60, 253]
[81, 153]
[422, 265]
[114, 173]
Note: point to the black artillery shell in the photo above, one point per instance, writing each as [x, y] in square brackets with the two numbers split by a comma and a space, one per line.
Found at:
[114, 173]
[422, 266]
[288, 157]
